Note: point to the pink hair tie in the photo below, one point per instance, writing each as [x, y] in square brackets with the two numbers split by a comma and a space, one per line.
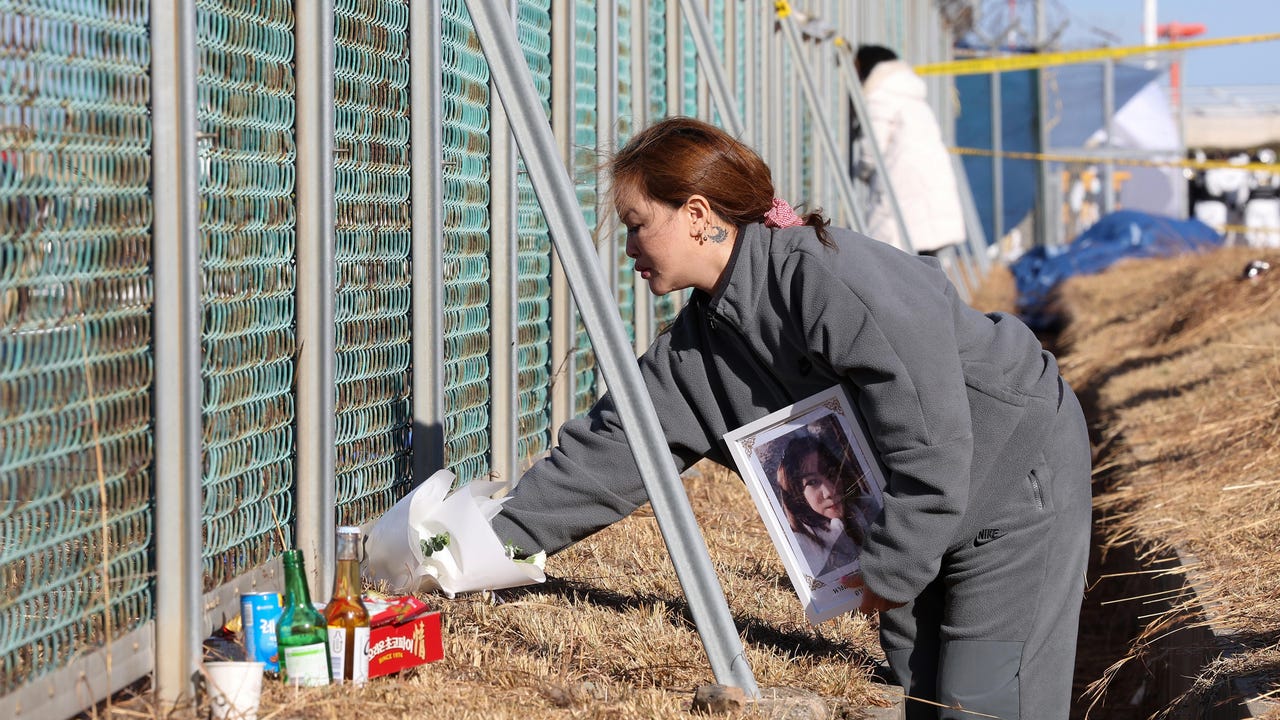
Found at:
[781, 215]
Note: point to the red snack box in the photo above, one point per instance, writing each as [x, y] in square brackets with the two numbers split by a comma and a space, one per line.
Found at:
[395, 646]
[386, 610]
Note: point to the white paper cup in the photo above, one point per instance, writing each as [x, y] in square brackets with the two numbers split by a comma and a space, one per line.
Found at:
[234, 689]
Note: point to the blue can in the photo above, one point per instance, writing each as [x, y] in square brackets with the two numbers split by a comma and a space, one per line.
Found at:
[258, 615]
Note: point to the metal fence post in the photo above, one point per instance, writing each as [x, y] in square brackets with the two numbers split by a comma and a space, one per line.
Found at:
[316, 262]
[997, 160]
[175, 231]
[606, 142]
[642, 300]
[563, 24]
[1044, 218]
[427, 237]
[503, 404]
[770, 87]
[613, 350]
[1108, 124]
[675, 62]
[732, 54]
[752, 52]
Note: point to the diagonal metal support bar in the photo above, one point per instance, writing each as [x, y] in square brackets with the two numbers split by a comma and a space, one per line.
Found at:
[709, 61]
[972, 222]
[844, 184]
[551, 183]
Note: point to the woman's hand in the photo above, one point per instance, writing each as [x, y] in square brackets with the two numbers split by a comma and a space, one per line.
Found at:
[871, 602]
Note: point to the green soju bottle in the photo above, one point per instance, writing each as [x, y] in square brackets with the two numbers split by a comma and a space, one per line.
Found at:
[301, 632]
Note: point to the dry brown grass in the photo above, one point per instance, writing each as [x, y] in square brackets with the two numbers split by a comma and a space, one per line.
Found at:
[997, 291]
[1180, 360]
[609, 635]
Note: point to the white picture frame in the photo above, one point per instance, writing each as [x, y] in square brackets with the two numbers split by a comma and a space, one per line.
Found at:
[786, 460]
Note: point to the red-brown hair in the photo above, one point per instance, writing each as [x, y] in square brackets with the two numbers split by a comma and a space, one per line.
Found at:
[679, 157]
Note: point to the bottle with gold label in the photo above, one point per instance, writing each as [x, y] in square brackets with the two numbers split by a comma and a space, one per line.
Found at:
[346, 615]
[302, 640]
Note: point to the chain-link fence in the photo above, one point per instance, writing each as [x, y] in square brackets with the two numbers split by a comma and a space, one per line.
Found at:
[78, 338]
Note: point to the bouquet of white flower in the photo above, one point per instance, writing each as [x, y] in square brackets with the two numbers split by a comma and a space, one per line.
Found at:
[434, 539]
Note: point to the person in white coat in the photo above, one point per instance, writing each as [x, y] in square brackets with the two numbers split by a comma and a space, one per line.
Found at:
[1262, 209]
[915, 157]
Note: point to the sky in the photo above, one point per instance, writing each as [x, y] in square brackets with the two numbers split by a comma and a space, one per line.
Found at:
[1252, 64]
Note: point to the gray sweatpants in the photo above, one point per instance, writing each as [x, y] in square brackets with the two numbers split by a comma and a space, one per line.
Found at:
[995, 633]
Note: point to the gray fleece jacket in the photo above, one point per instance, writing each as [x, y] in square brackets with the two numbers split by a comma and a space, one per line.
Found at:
[956, 402]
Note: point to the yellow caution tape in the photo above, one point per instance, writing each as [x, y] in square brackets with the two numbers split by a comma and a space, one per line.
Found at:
[1007, 63]
[1224, 229]
[1099, 160]
[783, 8]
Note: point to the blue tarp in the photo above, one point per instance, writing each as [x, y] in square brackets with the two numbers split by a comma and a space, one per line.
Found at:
[1124, 234]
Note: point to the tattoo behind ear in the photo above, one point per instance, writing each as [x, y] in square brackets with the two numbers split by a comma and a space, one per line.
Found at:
[717, 235]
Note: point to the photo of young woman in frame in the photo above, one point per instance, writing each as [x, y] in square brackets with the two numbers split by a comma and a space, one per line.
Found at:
[817, 488]
[820, 491]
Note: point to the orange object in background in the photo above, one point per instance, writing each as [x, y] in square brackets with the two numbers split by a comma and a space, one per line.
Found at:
[1173, 32]
[1177, 30]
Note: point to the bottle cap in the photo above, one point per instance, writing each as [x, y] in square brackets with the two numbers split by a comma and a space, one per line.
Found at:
[348, 530]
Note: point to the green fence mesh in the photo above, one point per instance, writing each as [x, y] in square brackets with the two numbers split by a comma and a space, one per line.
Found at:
[533, 259]
[465, 262]
[719, 28]
[245, 103]
[585, 160]
[75, 331]
[76, 444]
[655, 59]
[371, 136]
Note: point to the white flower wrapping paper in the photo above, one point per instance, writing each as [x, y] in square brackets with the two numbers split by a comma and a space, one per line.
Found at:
[474, 559]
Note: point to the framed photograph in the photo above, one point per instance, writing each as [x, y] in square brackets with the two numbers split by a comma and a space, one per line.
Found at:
[818, 485]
